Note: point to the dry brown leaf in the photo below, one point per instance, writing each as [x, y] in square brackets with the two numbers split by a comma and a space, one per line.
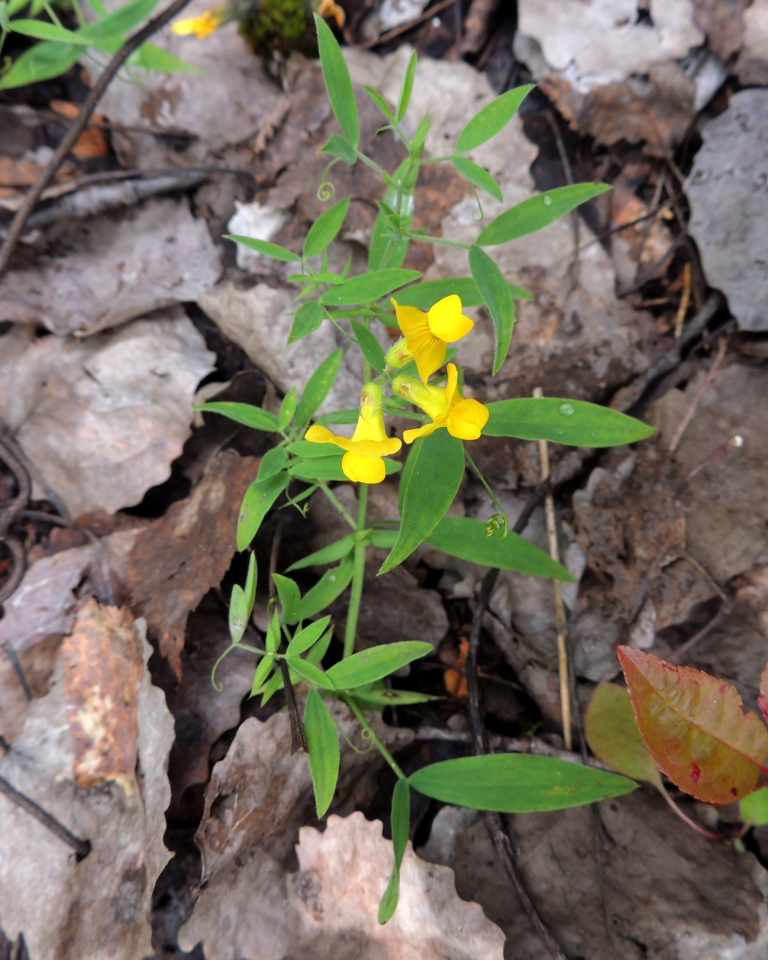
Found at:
[328, 910]
[177, 559]
[102, 666]
[98, 908]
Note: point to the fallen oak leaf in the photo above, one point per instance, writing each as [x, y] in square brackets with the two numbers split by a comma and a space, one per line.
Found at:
[695, 727]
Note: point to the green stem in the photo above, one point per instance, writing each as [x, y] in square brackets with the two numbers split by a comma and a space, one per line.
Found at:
[350, 702]
[487, 486]
[439, 240]
[358, 573]
[337, 503]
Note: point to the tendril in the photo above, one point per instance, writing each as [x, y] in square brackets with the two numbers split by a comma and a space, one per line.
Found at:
[495, 523]
[326, 189]
[479, 207]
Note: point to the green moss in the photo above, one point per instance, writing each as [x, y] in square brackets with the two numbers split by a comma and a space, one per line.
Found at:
[274, 28]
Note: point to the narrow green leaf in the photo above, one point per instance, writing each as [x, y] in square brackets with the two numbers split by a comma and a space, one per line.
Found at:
[42, 30]
[323, 750]
[401, 825]
[407, 87]
[319, 650]
[369, 699]
[121, 20]
[479, 177]
[517, 783]
[244, 413]
[271, 464]
[307, 637]
[263, 671]
[425, 294]
[306, 670]
[273, 250]
[270, 688]
[290, 597]
[309, 450]
[323, 231]
[538, 212]
[338, 417]
[331, 585]
[272, 639]
[368, 286]
[238, 613]
[336, 146]
[152, 57]
[377, 662]
[287, 408]
[432, 478]
[371, 348]
[420, 137]
[250, 583]
[493, 117]
[337, 82]
[498, 298]
[466, 538]
[258, 498]
[384, 538]
[330, 554]
[575, 422]
[380, 102]
[40, 62]
[382, 242]
[318, 386]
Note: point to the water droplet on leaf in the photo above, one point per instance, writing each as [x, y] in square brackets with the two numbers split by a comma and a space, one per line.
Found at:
[567, 409]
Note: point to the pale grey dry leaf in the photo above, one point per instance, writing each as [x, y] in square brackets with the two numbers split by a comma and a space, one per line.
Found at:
[328, 910]
[100, 276]
[96, 909]
[729, 205]
[103, 418]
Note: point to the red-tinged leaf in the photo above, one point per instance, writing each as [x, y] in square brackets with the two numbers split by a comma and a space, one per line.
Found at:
[695, 727]
[762, 700]
[611, 731]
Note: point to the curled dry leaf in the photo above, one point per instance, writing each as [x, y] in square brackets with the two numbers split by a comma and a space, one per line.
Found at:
[98, 907]
[695, 728]
[328, 910]
[176, 560]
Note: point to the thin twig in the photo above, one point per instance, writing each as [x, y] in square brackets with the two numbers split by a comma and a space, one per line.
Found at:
[560, 621]
[405, 27]
[81, 847]
[692, 641]
[685, 300]
[79, 125]
[719, 357]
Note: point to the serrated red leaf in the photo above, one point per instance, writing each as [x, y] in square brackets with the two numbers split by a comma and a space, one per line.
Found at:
[695, 727]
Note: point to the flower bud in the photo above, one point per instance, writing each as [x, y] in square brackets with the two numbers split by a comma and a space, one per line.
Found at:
[399, 354]
[371, 399]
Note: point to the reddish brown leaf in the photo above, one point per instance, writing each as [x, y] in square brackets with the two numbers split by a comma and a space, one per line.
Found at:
[762, 700]
[695, 727]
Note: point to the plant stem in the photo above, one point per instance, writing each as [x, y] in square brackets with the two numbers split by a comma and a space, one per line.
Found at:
[372, 733]
[338, 504]
[487, 486]
[358, 574]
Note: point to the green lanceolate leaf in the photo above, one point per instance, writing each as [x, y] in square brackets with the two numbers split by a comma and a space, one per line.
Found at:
[611, 731]
[431, 480]
[517, 783]
[289, 595]
[331, 585]
[377, 662]
[368, 286]
[272, 639]
[287, 408]
[307, 637]
[306, 670]
[420, 137]
[386, 697]
[273, 250]
[42, 61]
[241, 602]
[339, 416]
[306, 320]
[576, 422]
[121, 20]
[487, 122]
[323, 750]
[477, 176]
[538, 212]
[330, 554]
[497, 298]
[336, 146]
[318, 386]
[152, 57]
[338, 82]
[41, 30]
[325, 228]
[467, 538]
[245, 413]
[401, 825]
[258, 498]
[370, 346]
[380, 102]
[271, 464]
[407, 87]
[425, 294]
[263, 671]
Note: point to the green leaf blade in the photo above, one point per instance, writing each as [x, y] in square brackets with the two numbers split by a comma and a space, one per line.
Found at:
[271, 464]
[493, 117]
[338, 82]
[406, 88]
[307, 637]
[258, 499]
[517, 783]
[324, 230]
[425, 294]
[334, 551]
[323, 750]
[306, 320]
[244, 413]
[497, 296]
[264, 247]
[401, 825]
[318, 386]
[537, 212]
[368, 287]
[575, 422]
[367, 666]
[477, 176]
[371, 348]
[330, 586]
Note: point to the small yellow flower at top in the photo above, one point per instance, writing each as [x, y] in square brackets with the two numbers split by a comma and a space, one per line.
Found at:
[463, 418]
[201, 26]
[427, 334]
[328, 8]
[362, 461]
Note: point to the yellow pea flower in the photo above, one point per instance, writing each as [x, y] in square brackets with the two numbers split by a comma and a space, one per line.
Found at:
[428, 334]
[446, 407]
[203, 25]
[362, 461]
[328, 8]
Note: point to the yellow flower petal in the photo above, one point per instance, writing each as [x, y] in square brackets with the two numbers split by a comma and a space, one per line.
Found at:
[446, 321]
[452, 394]
[363, 469]
[328, 8]
[410, 435]
[429, 357]
[411, 320]
[467, 419]
[201, 26]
